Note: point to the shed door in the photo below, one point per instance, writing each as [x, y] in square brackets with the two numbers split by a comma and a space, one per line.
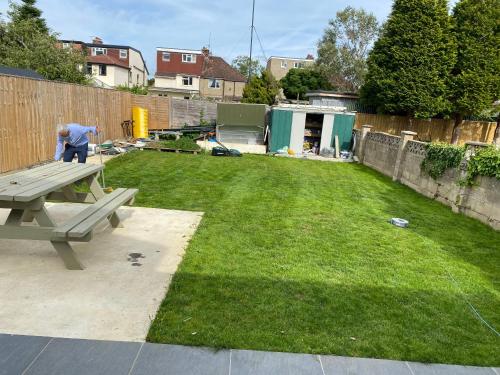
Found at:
[281, 129]
[342, 127]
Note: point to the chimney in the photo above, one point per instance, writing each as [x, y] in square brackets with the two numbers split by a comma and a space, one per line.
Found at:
[205, 51]
[97, 40]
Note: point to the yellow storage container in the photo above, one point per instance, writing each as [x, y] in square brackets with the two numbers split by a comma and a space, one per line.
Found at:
[140, 117]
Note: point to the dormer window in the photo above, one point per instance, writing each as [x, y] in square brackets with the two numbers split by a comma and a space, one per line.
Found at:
[188, 58]
[96, 51]
[123, 54]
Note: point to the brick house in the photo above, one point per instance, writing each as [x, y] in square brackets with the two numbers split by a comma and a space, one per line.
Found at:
[280, 66]
[112, 65]
[191, 73]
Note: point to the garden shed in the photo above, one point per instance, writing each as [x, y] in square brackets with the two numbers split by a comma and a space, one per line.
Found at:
[307, 129]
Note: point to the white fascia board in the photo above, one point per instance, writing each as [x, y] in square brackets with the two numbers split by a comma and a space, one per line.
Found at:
[190, 51]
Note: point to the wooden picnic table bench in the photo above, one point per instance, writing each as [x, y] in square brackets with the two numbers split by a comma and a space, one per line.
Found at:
[26, 192]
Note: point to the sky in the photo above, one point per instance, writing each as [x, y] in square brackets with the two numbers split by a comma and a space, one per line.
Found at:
[285, 28]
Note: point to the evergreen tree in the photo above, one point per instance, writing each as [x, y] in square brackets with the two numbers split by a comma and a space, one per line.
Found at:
[261, 90]
[475, 83]
[411, 62]
[27, 11]
[24, 44]
[298, 81]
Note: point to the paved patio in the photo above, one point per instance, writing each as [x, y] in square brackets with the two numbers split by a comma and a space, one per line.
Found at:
[57, 356]
[128, 271]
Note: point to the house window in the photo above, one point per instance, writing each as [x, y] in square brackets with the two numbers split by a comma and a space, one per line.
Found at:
[102, 70]
[284, 64]
[214, 84]
[123, 54]
[137, 79]
[188, 58]
[89, 69]
[66, 45]
[187, 81]
[165, 56]
[96, 51]
[298, 65]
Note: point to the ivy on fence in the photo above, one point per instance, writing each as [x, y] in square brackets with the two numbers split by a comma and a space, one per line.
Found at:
[485, 162]
[440, 157]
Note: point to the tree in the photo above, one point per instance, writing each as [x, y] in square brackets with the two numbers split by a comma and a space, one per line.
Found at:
[136, 89]
[411, 62]
[475, 83]
[24, 44]
[344, 47]
[242, 64]
[27, 11]
[298, 81]
[261, 90]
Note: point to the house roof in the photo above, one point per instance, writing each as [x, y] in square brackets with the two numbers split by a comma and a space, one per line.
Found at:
[108, 60]
[217, 67]
[98, 45]
[290, 58]
[7, 70]
[332, 94]
[178, 50]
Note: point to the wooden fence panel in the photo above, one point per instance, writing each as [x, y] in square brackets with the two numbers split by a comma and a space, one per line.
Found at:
[158, 109]
[31, 109]
[184, 111]
[428, 130]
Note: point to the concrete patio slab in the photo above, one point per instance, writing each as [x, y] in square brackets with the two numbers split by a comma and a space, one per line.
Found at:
[334, 365]
[250, 362]
[66, 356]
[174, 359]
[128, 271]
[18, 352]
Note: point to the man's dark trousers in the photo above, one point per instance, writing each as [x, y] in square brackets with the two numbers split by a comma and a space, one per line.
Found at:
[70, 151]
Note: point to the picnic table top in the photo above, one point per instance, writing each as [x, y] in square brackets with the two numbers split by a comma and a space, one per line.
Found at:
[34, 183]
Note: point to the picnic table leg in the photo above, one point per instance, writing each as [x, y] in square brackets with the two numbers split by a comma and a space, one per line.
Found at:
[63, 248]
[98, 193]
[28, 216]
[68, 255]
[14, 217]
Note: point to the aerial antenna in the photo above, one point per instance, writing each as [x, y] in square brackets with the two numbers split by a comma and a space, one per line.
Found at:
[251, 42]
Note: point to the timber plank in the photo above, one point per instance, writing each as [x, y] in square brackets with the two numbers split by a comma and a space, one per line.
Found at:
[110, 207]
[62, 231]
[24, 176]
[56, 182]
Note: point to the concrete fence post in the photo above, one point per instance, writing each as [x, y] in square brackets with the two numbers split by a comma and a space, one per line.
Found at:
[365, 129]
[405, 137]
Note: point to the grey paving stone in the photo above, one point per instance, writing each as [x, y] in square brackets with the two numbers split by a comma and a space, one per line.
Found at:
[174, 359]
[248, 362]
[363, 366]
[78, 357]
[17, 352]
[424, 369]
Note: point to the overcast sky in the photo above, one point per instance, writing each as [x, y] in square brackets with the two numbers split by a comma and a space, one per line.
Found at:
[285, 28]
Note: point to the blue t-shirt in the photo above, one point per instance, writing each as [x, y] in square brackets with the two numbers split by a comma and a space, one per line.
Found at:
[77, 137]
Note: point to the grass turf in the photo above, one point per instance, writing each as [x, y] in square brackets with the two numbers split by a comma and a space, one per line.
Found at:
[298, 256]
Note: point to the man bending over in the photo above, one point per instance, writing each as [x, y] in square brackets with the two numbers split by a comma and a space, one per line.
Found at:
[75, 136]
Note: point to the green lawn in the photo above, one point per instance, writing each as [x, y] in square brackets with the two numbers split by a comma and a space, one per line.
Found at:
[298, 256]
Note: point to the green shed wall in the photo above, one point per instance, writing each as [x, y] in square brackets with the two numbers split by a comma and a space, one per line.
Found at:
[342, 127]
[281, 129]
[241, 114]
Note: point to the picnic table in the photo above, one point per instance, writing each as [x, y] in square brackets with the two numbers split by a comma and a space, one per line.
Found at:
[25, 194]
